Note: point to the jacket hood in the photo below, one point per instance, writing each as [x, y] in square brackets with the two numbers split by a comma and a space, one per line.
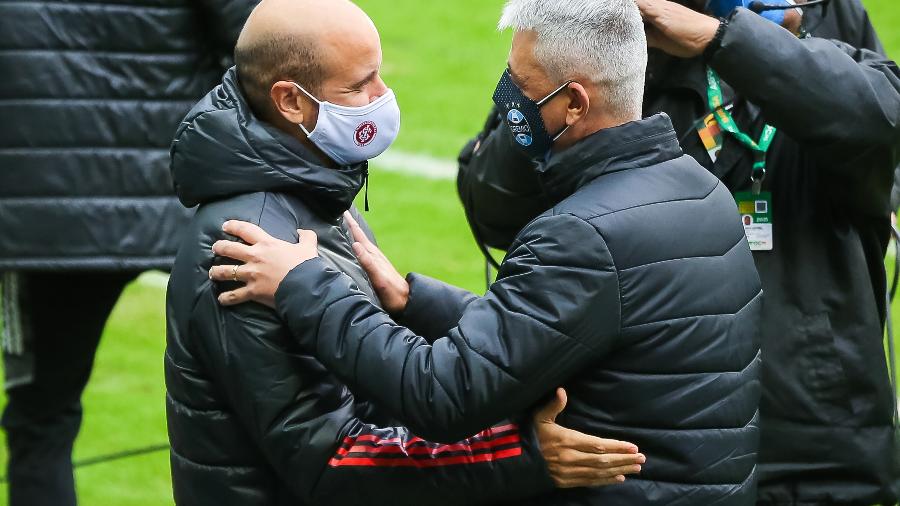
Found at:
[221, 149]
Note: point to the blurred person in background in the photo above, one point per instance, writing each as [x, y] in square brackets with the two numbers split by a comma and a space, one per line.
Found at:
[90, 96]
[253, 420]
[820, 176]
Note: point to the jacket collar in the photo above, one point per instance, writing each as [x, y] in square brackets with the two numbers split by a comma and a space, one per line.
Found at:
[222, 150]
[633, 145]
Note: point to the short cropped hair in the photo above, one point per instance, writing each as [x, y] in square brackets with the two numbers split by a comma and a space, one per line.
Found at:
[602, 40]
[278, 57]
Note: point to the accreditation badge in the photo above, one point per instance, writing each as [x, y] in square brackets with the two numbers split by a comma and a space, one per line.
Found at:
[756, 216]
[711, 133]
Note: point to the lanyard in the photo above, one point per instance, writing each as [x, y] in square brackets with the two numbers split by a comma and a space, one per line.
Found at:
[723, 116]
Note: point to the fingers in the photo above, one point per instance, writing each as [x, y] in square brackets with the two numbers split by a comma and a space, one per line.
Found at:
[355, 229]
[647, 7]
[602, 461]
[616, 446]
[236, 296]
[552, 409]
[592, 473]
[793, 21]
[248, 232]
[366, 260]
[571, 476]
[593, 444]
[308, 238]
[225, 273]
[232, 249]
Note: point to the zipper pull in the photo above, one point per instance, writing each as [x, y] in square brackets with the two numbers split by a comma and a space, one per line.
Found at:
[366, 194]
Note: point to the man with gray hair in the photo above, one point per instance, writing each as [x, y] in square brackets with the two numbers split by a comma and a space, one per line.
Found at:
[607, 292]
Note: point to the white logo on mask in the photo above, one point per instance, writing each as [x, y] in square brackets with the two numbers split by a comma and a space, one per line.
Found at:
[365, 133]
[373, 128]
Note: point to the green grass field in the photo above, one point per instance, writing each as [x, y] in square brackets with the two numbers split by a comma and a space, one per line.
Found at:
[443, 61]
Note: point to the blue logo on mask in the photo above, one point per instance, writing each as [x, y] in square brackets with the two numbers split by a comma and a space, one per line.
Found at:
[515, 117]
[519, 127]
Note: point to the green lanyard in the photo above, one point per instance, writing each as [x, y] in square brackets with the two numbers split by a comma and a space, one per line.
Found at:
[759, 148]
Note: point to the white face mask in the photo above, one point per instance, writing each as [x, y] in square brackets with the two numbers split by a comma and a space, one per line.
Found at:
[350, 135]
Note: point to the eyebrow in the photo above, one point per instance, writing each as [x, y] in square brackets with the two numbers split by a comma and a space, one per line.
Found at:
[518, 80]
[364, 81]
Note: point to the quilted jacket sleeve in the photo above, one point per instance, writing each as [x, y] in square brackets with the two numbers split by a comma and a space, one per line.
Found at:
[551, 311]
[434, 307]
[841, 103]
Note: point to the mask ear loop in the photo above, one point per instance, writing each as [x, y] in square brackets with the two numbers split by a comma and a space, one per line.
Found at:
[314, 99]
[555, 92]
[561, 133]
[549, 97]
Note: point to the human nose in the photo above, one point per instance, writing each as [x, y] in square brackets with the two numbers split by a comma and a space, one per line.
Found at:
[379, 89]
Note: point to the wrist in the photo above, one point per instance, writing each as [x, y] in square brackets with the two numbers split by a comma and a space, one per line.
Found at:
[401, 299]
[716, 42]
[707, 35]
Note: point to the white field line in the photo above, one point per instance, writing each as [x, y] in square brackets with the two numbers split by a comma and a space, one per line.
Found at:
[154, 279]
[416, 164]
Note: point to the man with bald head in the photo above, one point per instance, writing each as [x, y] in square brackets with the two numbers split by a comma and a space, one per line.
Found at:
[283, 143]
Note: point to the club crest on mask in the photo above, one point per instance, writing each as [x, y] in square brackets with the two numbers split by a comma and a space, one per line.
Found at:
[519, 126]
[523, 116]
[373, 127]
[365, 133]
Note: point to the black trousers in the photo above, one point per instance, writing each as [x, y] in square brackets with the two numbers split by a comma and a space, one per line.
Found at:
[64, 315]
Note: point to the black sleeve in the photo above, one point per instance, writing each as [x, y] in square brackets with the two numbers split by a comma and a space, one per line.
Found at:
[859, 22]
[868, 38]
[306, 424]
[548, 315]
[498, 186]
[434, 307]
[224, 21]
[841, 103]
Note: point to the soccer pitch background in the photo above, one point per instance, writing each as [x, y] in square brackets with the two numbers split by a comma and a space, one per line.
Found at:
[443, 60]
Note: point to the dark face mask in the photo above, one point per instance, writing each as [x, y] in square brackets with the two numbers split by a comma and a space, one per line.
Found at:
[523, 117]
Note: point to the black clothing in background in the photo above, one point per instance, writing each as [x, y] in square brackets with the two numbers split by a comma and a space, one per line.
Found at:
[67, 314]
[90, 96]
[92, 92]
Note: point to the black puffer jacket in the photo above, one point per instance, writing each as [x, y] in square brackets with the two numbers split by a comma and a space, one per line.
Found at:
[610, 294]
[91, 94]
[826, 411]
[252, 420]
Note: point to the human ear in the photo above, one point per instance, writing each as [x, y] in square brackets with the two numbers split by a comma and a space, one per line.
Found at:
[579, 103]
[288, 101]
